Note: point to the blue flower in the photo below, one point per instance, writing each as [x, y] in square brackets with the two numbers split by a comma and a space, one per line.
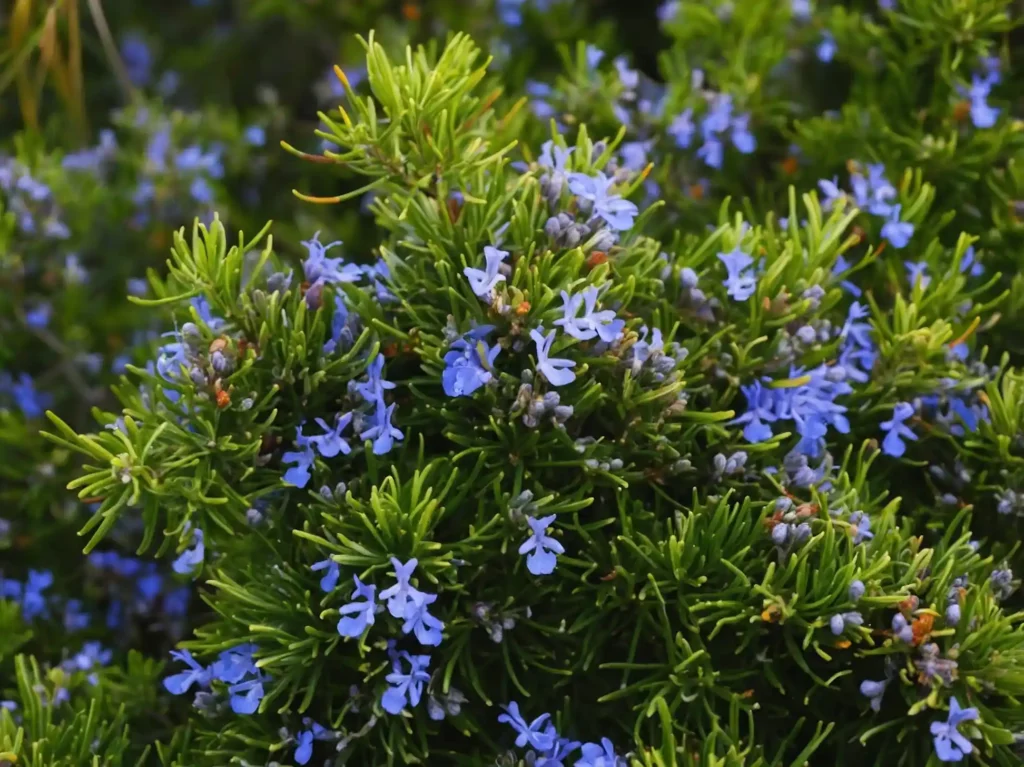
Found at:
[950, 745]
[178, 684]
[530, 734]
[374, 386]
[382, 431]
[201, 190]
[30, 402]
[554, 157]
[304, 740]
[401, 594]
[760, 403]
[303, 458]
[137, 58]
[742, 138]
[544, 548]
[612, 208]
[895, 231]
[344, 326]
[970, 264]
[420, 622]
[469, 364]
[874, 691]
[75, 618]
[406, 689]
[600, 755]
[861, 527]
[896, 431]
[982, 115]
[332, 443]
[362, 612]
[321, 270]
[827, 48]
[255, 135]
[682, 129]
[712, 152]
[740, 283]
[901, 629]
[329, 581]
[246, 696]
[192, 558]
[39, 317]
[592, 323]
[856, 590]
[831, 191]
[232, 666]
[556, 370]
[483, 281]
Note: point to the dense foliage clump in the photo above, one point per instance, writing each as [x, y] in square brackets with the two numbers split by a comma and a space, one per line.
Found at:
[580, 408]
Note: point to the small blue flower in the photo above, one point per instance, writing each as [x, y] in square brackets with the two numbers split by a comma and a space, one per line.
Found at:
[612, 208]
[246, 696]
[896, 430]
[420, 622]
[383, 433]
[760, 403]
[953, 614]
[255, 135]
[483, 281]
[740, 283]
[712, 152]
[470, 364]
[232, 666]
[982, 115]
[178, 684]
[362, 613]
[530, 734]
[39, 317]
[897, 232]
[192, 558]
[682, 129]
[406, 689]
[600, 755]
[861, 527]
[544, 548]
[75, 618]
[555, 370]
[950, 744]
[329, 581]
[321, 270]
[856, 590]
[970, 265]
[374, 386]
[593, 323]
[742, 138]
[299, 474]
[401, 594]
[137, 58]
[826, 50]
[331, 443]
[304, 740]
[554, 157]
[917, 271]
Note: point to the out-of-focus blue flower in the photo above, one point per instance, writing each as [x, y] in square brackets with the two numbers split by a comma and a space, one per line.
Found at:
[861, 527]
[682, 129]
[826, 50]
[982, 114]
[969, 264]
[137, 58]
[255, 135]
[897, 232]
